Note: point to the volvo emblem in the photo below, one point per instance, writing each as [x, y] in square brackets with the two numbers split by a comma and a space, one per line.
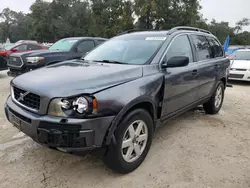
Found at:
[22, 95]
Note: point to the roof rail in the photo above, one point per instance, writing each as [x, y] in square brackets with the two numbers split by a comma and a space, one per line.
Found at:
[187, 28]
[135, 30]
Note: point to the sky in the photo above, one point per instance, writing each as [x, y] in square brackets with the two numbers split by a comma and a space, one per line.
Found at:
[222, 10]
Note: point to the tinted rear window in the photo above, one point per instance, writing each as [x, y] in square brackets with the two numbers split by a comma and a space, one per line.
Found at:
[215, 47]
[202, 47]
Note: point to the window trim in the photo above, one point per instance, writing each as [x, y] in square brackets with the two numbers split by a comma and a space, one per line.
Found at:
[171, 42]
[85, 41]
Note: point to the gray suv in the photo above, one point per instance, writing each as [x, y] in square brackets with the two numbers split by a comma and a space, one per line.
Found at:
[115, 96]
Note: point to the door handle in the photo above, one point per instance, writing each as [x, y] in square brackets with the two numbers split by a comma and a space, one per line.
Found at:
[194, 72]
[217, 67]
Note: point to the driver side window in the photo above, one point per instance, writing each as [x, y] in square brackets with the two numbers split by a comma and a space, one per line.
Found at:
[180, 47]
[85, 46]
[22, 47]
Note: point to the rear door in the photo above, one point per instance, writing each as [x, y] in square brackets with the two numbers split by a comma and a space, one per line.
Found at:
[207, 71]
[180, 82]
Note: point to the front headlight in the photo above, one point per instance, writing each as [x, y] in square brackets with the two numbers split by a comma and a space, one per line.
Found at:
[34, 59]
[73, 107]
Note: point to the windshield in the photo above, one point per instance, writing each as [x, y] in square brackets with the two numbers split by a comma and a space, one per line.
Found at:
[64, 44]
[132, 50]
[241, 55]
[8, 46]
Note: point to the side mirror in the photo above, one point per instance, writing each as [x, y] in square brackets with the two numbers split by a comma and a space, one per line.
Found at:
[177, 61]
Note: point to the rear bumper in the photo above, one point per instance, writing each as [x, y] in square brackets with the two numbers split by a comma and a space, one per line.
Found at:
[70, 135]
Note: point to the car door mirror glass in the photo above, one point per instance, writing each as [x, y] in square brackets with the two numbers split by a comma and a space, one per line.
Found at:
[177, 61]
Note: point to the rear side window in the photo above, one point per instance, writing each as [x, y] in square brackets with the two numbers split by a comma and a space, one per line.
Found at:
[216, 47]
[98, 42]
[34, 47]
[180, 47]
[202, 47]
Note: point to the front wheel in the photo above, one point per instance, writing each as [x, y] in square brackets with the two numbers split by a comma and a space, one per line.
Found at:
[133, 140]
[214, 105]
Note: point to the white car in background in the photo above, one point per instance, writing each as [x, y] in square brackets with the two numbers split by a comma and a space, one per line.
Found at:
[240, 65]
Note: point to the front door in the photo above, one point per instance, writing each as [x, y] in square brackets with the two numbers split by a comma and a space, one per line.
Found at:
[180, 83]
[21, 48]
[83, 47]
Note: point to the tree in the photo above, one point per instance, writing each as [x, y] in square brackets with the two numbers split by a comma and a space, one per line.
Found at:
[9, 18]
[52, 20]
[145, 11]
[242, 23]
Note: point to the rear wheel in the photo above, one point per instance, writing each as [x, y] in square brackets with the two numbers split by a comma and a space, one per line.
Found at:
[213, 106]
[133, 140]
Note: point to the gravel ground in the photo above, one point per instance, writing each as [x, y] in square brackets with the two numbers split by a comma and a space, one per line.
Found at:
[193, 150]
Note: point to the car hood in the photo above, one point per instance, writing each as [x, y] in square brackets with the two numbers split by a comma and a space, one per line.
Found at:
[37, 53]
[75, 77]
[241, 64]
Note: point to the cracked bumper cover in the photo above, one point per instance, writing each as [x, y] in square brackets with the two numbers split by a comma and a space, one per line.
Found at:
[75, 135]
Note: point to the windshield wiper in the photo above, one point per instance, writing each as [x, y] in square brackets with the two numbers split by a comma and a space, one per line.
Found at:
[110, 61]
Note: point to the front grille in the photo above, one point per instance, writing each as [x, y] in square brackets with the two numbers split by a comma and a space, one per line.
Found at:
[15, 61]
[236, 75]
[28, 99]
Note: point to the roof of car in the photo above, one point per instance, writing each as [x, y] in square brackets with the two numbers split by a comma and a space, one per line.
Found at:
[180, 29]
[81, 38]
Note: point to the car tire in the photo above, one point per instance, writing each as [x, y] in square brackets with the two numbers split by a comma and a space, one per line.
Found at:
[214, 105]
[122, 159]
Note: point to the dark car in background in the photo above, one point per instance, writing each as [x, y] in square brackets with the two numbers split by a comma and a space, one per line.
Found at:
[116, 95]
[64, 49]
[20, 46]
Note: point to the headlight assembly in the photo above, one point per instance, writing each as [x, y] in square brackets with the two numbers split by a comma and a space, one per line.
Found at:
[34, 59]
[73, 107]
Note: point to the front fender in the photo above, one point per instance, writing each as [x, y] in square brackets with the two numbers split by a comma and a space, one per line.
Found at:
[125, 110]
[120, 99]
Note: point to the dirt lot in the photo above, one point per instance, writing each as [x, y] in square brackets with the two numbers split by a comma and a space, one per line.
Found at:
[194, 150]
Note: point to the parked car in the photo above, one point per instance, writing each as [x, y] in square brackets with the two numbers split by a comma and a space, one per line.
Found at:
[64, 49]
[240, 65]
[17, 48]
[117, 95]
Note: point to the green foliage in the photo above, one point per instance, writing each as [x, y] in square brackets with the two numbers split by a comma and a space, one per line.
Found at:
[50, 21]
